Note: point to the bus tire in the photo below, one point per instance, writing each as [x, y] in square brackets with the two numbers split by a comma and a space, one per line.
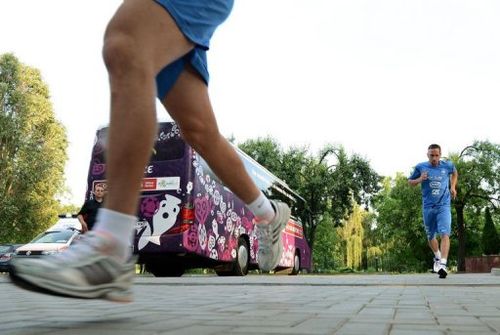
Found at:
[296, 263]
[242, 258]
[239, 267]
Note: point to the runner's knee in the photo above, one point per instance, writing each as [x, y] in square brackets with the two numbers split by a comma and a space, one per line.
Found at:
[201, 137]
[122, 55]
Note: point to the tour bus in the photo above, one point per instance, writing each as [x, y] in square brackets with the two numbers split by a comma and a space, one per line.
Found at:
[187, 218]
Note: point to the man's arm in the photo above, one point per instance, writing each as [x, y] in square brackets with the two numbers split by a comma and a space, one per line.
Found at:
[416, 181]
[83, 223]
[453, 184]
[80, 218]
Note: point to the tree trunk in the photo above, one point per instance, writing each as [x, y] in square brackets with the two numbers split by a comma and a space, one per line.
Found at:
[461, 237]
[311, 236]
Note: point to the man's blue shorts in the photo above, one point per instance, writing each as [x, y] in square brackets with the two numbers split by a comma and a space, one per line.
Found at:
[437, 220]
[197, 20]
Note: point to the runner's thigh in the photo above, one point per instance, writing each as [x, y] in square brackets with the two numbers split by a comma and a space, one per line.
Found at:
[150, 31]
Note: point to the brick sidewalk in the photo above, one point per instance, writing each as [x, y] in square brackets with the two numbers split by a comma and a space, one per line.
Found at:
[341, 304]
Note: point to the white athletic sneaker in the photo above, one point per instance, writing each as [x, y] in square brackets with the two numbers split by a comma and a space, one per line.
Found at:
[435, 266]
[443, 271]
[86, 270]
[269, 237]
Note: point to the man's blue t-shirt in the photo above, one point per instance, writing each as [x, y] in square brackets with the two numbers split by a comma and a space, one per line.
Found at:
[436, 189]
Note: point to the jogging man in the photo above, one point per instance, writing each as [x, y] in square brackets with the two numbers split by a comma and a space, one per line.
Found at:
[152, 47]
[438, 181]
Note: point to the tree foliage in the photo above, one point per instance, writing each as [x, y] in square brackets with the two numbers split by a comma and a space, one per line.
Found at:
[330, 182]
[478, 186]
[490, 239]
[352, 234]
[327, 253]
[399, 232]
[32, 152]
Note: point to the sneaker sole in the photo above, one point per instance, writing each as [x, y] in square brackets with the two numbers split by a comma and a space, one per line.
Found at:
[442, 273]
[107, 292]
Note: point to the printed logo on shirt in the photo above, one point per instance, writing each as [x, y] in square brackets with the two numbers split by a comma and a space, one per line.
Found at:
[435, 184]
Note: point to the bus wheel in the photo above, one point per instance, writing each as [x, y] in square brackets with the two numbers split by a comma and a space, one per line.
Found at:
[296, 263]
[165, 270]
[242, 258]
[240, 266]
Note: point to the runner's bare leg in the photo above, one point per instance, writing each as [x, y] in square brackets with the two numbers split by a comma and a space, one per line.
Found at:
[140, 40]
[189, 105]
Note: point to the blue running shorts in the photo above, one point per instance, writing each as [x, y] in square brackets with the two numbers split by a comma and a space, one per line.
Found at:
[437, 220]
[197, 20]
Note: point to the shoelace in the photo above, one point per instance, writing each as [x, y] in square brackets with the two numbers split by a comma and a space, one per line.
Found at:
[264, 235]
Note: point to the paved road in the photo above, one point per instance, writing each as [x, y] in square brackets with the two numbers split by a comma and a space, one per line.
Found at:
[341, 304]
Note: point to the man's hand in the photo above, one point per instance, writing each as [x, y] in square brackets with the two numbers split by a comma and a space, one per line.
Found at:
[453, 193]
[85, 228]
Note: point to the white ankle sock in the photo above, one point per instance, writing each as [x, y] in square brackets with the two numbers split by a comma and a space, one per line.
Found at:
[443, 261]
[437, 255]
[120, 226]
[262, 208]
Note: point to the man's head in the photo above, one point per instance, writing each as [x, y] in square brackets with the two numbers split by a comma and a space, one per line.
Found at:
[434, 154]
[99, 192]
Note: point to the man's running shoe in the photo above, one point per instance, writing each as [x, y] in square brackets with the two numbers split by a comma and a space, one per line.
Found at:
[443, 271]
[86, 270]
[269, 237]
[435, 265]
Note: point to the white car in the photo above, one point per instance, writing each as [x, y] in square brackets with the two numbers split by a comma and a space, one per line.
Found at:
[55, 239]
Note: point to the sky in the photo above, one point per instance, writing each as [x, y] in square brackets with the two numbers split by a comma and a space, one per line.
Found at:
[384, 79]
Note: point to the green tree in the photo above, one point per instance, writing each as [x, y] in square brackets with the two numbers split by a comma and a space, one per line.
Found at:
[371, 249]
[491, 241]
[327, 254]
[352, 234]
[399, 229]
[32, 152]
[341, 181]
[474, 216]
[329, 182]
[478, 186]
[267, 152]
[373, 255]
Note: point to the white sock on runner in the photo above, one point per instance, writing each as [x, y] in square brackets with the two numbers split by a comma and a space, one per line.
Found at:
[437, 254]
[120, 226]
[262, 209]
[443, 261]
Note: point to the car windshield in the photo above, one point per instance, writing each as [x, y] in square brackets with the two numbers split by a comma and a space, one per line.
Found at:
[54, 237]
[4, 248]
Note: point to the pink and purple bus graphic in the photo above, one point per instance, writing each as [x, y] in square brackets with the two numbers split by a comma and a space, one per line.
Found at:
[188, 218]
